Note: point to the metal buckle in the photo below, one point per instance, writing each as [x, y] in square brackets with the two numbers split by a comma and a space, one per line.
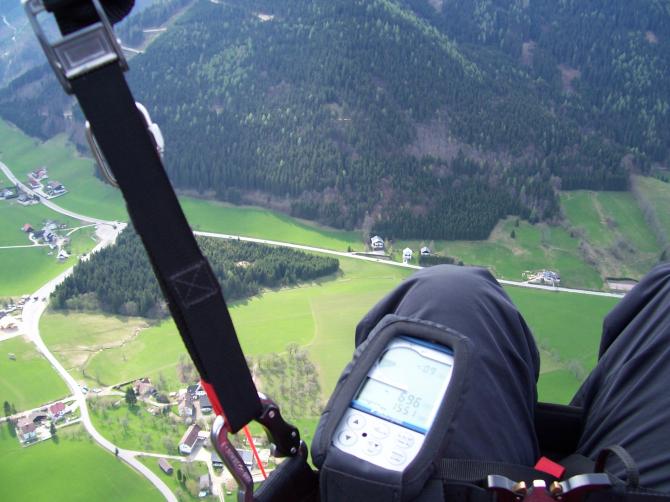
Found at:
[80, 52]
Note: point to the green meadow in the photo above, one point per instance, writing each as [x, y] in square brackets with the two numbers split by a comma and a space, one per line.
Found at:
[322, 316]
[192, 470]
[612, 224]
[257, 222]
[533, 247]
[657, 193]
[38, 472]
[29, 381]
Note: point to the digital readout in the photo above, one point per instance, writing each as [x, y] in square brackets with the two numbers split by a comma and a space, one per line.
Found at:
[407, 384]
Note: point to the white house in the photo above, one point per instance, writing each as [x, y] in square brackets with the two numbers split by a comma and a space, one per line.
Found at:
[407, 255]
[377, 243]
[189, 439]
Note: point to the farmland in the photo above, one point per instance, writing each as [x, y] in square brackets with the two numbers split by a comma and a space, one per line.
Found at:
[99, 476]
[29, 380]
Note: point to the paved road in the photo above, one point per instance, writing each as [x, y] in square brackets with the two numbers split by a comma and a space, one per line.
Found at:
[32, 312]
[45, 201]
[395, 263]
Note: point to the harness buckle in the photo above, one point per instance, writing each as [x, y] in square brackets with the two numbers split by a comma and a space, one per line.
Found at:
[79, 52]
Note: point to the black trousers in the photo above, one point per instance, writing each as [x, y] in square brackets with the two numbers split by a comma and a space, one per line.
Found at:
[626, 398]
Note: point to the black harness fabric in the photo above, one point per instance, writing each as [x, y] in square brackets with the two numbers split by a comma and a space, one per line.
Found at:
[188, 283]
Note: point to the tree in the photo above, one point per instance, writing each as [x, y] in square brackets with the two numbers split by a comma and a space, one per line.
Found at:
[513, 234]
[7, 408]
[131, 398]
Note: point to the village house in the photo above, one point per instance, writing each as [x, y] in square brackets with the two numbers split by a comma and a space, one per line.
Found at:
[27, 228]
[425, 251]
[143, 388]
[39, 173]
[34, 184]
[407, 255]
[377, 243]
[165, 466]
[186, 408]
[189, 440]
[247, 457]
[55, 188]
[217, 463]
[26, 429]
[205, 405]
[204, 485]
[57, 411]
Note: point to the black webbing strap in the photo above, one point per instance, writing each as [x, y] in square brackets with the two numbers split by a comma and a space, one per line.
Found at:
[475, 471]
[186, 278]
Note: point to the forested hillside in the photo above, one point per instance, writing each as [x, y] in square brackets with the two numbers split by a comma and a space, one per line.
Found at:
[119, 279]
[424, 119]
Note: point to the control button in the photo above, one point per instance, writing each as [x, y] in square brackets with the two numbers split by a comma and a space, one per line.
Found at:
[347, 438]
[397, 457]
[380, 431]
[404, 441]
[356, 421]
[373, 448]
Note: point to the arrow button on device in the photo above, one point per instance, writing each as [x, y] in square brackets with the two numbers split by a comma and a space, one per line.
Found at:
[347, 438]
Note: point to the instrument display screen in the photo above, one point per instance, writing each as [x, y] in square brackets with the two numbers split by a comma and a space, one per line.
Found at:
[407, 384]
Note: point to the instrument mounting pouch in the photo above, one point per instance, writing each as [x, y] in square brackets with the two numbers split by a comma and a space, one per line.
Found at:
[345, 477]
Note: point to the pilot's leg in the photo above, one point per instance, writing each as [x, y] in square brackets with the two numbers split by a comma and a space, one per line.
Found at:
[495, 420]
[626, 398]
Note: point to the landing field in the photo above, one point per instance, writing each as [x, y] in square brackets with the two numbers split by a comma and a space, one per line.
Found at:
[323, 317]
[28, 381]
[86, 194]
[40, 471]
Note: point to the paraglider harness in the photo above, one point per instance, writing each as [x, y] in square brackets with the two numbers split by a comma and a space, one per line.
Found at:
[89, 63]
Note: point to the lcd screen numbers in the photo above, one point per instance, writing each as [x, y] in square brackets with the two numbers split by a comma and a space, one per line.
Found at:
[407, 384]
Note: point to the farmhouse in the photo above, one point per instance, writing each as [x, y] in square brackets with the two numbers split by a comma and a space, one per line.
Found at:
[247, 457]
[55, 188]
[165, 466]
[189, 439]
[425, 251]
[186, 408]
[407, 255]
[205, 405]
[39, 173]
[34, 184]
[205, 486]
[27, 228]
[377, 243]
[26, 429]
[217, 463]
[143, 388]
[56, 411]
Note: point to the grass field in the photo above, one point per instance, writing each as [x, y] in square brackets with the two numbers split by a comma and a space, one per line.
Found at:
[534, 247]
[74, 469]
[258, 222]
[86, 194]
[29, 381]
[613, 225]
[658, 194]
[322, 317]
